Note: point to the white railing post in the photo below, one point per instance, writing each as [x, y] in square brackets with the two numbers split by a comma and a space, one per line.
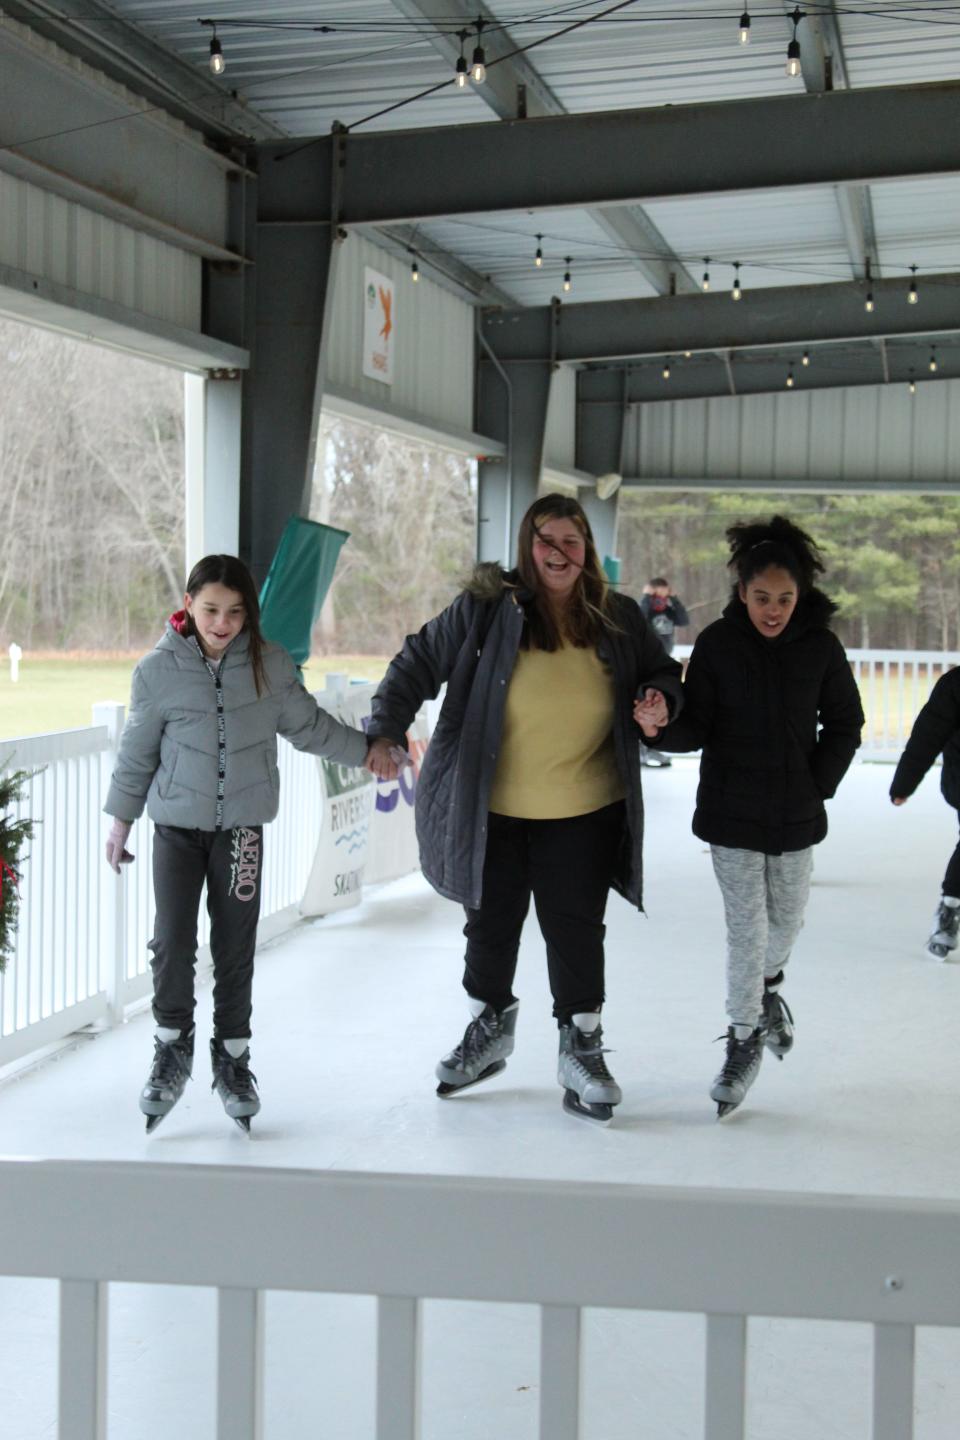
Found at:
[239, 1364]
[559, 1372]
[726, 1371]
[113, 888]
[893, 1356]
[83, 1360]
[398, 1368]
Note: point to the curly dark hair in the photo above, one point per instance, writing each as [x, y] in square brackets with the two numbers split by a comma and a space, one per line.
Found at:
[756, 545]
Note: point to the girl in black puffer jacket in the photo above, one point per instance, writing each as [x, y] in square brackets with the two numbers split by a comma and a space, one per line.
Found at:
[771, 700]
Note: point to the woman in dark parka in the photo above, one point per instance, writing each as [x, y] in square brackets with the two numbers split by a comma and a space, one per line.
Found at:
[531, 784]
[771, 700]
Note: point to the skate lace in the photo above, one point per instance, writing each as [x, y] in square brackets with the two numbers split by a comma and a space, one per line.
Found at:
[477, 1037]
[948, 919]
[169, 1061]
[740, 1056]
[592, 1062]
[237, 1076]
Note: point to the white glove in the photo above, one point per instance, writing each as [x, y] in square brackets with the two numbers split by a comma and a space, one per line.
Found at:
[117, 854]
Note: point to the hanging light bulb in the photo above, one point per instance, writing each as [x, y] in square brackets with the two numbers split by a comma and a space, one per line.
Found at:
[805, 358]
[666, 368]
[868, 304]
[217, 62]
[414, 272]
[913, 297]
[463, 70]
[736, 292]
[705, 282]
[790, 380]
[793, 49]
[912, 384]
[932, 367]
[745, 28]
[538, 258]
[478, 65]
[567, 282]
[687, 354]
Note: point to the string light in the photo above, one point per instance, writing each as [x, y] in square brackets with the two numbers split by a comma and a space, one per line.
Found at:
[478, 66]
[912, 296]
[566, 275]
[805, 358]
[868, 303]
[793, 49]
[736, 292]
[705, 282]
[462, 67]
[912, 384]
[666, 368]
[687, 354]
[414, 272]
[745, 28]
[932, 367]
[538, 258]
[217, 62]
[790, 380]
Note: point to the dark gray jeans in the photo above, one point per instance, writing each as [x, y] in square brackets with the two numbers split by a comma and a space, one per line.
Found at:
[230, 863]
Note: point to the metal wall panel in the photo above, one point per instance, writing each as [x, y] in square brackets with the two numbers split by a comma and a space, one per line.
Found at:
[560, 439]
[433, 359]
[57, 240]
[859, 435]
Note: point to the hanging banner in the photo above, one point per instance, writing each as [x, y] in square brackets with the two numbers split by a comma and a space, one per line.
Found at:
[378, 326]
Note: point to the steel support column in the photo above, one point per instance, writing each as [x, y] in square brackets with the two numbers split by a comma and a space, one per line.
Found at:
[512, 408]
[212, 418]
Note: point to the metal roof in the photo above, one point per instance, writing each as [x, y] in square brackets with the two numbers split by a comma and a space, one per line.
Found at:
[301, 66]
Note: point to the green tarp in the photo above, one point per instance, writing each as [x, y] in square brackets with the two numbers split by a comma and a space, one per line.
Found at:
[296, 587]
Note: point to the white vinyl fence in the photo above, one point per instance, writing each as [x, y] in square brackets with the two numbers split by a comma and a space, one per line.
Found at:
[566, 1247]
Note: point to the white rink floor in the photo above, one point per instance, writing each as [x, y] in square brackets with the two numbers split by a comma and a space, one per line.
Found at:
[351, 1014]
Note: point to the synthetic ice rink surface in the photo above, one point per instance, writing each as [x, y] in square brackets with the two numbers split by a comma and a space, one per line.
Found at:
[352, 1012]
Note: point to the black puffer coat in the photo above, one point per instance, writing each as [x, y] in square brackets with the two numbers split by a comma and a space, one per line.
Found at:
[472, 645]
[936, 728]
[754, 706]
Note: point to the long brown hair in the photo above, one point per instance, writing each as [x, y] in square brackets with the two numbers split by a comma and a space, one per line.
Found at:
[229, 571]
[588, 611]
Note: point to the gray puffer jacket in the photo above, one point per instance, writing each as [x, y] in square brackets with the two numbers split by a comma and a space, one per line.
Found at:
[472, 645]
[169, 748]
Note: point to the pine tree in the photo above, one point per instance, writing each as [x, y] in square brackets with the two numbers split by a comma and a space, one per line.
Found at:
[13, 836]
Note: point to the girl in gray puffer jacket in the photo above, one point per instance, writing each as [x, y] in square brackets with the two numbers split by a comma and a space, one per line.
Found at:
[199, 749]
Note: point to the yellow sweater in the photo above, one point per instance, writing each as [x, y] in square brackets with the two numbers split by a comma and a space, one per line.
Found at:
[556, 753]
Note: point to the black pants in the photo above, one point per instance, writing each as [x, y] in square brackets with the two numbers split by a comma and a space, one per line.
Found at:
[951, 881]
[230, 861]
[567, 866]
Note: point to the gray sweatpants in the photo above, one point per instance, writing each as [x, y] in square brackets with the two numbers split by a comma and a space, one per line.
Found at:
[764, 897]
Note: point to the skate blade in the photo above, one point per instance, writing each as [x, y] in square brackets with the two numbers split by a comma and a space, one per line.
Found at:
[727, 1107]
[244, 1122]
[152, 1122]
[445, 1088]
[599, 1114]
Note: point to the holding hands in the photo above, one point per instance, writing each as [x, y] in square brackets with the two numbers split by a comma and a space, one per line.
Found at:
[385, 759]
[651, 713]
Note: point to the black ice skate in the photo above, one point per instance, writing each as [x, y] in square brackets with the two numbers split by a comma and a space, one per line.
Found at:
[171, 1069]
[483, 1051]
[589, 1090]
[739, 1070]
[776, 1021]
[235, 1083]
[946, 923]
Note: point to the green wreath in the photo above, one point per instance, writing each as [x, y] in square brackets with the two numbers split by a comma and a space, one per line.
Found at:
[13, 836]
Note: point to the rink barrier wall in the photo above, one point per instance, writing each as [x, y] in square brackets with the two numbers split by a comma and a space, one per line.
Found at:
[565, 1247]
[81, 954]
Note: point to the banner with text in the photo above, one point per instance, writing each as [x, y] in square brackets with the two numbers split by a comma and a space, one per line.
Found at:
[378, 327]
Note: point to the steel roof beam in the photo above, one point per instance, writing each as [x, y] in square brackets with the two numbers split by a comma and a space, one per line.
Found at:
[443, 267]
[824, 67]
[514, 89]
[896, 132]
[800, 315]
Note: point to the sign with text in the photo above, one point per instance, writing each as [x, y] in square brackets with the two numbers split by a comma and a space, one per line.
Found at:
[378, 326]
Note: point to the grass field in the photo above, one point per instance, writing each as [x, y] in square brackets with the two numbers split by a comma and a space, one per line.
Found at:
[58, 694]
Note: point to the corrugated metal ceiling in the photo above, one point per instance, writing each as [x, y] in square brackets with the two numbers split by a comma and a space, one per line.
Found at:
[651, 52]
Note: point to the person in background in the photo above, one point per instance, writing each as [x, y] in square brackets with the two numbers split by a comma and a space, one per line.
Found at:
[531, 783]
[664, 612]
[199, 749]
[772, 702]
[936, 731]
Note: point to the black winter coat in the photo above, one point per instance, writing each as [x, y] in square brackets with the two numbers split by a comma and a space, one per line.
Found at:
[754, 706]
[472, 645]
[936, 728]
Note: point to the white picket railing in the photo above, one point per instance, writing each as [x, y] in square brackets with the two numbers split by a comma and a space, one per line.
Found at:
[566, 1247]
